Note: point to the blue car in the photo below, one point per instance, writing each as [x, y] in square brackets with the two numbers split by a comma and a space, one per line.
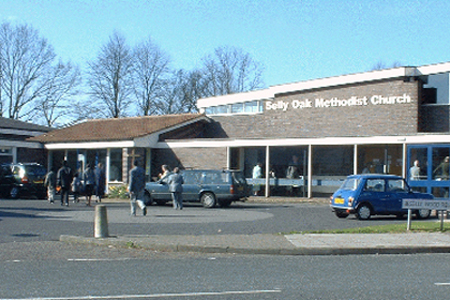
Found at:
[375, 194]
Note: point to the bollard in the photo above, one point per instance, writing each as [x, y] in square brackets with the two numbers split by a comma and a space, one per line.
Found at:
[100, 222]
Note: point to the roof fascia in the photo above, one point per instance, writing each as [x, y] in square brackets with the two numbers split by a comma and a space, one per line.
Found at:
[89, 145]
[333, 141]
[434, 69]
[22, 144]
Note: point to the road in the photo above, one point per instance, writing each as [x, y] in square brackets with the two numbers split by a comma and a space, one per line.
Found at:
[53, 270]
[37, 220]
[34, 265]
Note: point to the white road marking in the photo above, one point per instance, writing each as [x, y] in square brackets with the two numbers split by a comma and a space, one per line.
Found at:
[442, 283]
[97, 259]
[168, 295]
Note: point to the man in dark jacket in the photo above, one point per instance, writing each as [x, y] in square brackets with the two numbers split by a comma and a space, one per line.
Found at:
[64, 179]
[136, 188]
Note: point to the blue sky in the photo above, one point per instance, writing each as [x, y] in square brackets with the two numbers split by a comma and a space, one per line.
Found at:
[295, 40]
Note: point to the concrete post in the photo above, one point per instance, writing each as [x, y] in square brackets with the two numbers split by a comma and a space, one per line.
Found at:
[100, 222]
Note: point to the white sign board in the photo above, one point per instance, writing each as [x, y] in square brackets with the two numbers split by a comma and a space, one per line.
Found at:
[426, 204]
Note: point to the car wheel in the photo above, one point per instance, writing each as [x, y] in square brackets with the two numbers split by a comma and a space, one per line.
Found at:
[423, 213]
[208, 200]
[363, 212]
[14, 192]
[341, 214]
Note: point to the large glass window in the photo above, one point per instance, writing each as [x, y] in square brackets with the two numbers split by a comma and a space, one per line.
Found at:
[380, 159]
[418, 167]
[441, 163]
[115, 165]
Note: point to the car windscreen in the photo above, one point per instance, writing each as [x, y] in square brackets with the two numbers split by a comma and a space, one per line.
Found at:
[350, 184]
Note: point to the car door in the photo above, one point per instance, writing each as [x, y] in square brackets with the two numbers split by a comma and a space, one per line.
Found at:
[191, 185]
[374, 192]
[397, 191]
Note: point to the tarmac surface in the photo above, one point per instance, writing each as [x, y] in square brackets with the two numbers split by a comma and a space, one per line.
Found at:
[277, 244]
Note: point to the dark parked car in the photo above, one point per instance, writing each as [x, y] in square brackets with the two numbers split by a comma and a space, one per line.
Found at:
[210, 187]
[375, 194]
[28, 180]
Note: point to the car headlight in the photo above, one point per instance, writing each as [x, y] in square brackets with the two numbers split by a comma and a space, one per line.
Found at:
[350, 201]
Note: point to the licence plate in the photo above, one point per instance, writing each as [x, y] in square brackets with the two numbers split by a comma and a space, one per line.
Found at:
[240, 188]
[338, 200]
[38, 181]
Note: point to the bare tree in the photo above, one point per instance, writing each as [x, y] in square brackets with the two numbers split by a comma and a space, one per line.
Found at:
[192, 88]
[110, 77]
[60, 86]
[230, 70]
[25, 59]
[150, 72]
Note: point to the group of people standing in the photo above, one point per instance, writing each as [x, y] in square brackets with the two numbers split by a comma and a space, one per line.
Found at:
[136, 187]
[91, 182]
[175, 181]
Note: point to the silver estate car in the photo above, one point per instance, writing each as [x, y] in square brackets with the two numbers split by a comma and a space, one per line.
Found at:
[209, 187]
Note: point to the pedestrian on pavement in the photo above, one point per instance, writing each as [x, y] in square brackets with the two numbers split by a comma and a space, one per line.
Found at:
[136, 189]
[100, 182]
[175, 182]
[89, 183]
[64, 181]
[50, 184]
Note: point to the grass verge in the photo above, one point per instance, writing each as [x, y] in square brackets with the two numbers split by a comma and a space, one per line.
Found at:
[390, 228]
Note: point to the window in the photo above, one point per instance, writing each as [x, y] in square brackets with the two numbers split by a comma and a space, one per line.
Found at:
[375, 185]
[115, 165]
[237, 108]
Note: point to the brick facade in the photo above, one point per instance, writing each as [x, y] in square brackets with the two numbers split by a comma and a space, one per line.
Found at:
[365, 119]
[189, 158]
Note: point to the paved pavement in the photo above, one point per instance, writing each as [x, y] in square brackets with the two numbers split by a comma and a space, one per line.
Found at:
[279, 244]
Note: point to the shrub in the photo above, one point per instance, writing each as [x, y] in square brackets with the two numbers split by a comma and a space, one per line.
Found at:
[118, 191]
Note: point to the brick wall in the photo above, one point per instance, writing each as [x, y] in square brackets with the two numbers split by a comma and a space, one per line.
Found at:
[192, 158]
[357, 120]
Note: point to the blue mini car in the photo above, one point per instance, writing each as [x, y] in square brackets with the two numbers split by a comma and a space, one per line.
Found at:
[375, 194]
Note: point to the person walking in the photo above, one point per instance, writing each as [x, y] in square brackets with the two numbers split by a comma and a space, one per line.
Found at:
[100, 182]
[136, 189]
[64, 180]
[50, 184]
[175, 182]
[89, 183]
